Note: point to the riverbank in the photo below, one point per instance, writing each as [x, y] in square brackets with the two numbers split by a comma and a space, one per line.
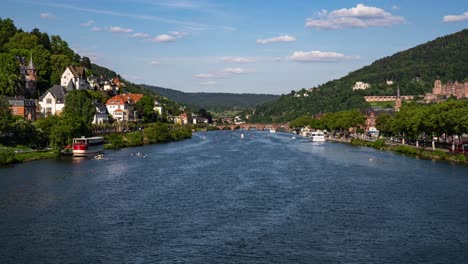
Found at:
[153, 134]
[419, 152]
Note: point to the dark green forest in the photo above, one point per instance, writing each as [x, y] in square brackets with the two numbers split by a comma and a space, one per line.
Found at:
[413, 70]
[214, 101]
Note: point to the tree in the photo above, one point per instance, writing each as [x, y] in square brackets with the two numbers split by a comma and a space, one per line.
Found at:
[5, 115]
[7, 31]
[10, 81]
[22, 40]
[78, 113]
[86, 62]
[58, 63]
[383, 124]
[145, 108]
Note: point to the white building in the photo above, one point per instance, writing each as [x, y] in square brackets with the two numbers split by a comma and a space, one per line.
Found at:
[158, 108]
[74, 77]
[52, 101]
[101, 116]
[361, 86]
[122, 107]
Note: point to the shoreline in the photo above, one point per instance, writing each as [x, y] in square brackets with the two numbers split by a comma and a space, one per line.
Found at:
[408, 150]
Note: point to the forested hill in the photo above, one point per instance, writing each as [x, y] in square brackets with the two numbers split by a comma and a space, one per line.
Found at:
[214, 100]
[413, 70]
[51, 55]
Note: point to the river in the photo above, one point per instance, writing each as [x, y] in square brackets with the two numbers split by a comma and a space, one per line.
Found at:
[218, 198]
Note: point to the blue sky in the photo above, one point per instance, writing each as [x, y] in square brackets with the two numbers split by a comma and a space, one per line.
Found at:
[238, 46]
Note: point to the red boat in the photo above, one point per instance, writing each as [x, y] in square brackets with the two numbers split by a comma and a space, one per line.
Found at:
[87, 146]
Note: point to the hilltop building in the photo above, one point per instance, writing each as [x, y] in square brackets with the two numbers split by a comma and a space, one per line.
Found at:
[440, 92]
[361, 86]
[74, 77]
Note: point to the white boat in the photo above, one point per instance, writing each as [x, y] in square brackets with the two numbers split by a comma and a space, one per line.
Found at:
[87, 146]
[242, 135]
[272, 130]
[317, 136]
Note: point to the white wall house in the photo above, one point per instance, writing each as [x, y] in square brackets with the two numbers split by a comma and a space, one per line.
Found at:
[101, 116]
[361, 86]
[52, 101]
[74, 78]
[122, 107]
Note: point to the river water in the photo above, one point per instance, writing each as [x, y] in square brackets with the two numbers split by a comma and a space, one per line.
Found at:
[217, 198]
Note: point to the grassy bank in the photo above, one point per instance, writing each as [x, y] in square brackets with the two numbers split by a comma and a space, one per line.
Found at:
[412, 151]
[151, 134]
[9, 156]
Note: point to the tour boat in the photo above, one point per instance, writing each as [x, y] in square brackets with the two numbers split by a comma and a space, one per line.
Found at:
[317, 136]
[87, 146]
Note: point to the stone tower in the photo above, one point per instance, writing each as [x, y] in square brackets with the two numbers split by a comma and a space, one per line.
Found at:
[398, 100]
[437, 90]
[30, 80]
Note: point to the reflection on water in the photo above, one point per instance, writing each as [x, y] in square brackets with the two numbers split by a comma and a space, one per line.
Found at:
[220, 198]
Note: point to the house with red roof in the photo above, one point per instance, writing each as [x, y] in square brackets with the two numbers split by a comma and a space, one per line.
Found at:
[122, 107]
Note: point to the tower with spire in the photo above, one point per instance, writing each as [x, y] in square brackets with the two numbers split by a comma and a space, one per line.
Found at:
[398, 100]
[30, 79]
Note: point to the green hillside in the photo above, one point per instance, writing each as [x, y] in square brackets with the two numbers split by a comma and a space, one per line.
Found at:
[413, 70]
[51, 55]
[214, 101]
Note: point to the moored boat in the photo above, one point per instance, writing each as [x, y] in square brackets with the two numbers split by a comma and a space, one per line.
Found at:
[87, 146]
[317, 136]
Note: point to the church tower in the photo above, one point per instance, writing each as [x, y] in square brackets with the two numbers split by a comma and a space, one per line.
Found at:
[30, 78]
[398, 100]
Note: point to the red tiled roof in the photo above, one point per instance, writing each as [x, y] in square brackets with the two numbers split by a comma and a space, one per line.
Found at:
[121, 99]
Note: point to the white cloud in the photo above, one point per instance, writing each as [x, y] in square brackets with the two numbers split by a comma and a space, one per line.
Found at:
[395, 7]
[87, 24]
[120, 30]
[97, 29]
[318, 56]
[164, 38]
[140, 35]
[211, 82]
[177, 34]
[237, 70]
[227, 72]
[361, 16]
[206, 76]
[240, 60]
[456, 18]
[47, 16]
[154, 62]
[284, 38]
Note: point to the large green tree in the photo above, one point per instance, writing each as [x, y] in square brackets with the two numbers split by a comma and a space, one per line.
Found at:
[10, 81]
[5, 115]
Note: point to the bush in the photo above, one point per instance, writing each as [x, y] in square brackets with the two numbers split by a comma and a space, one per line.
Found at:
[134, 139]
[407, 150]
[379, 144]
[114, 141]
[461, 158]
[439, 153]
[7, 156]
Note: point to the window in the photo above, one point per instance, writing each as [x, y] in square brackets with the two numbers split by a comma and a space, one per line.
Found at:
[48, 101]
[48, 109]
